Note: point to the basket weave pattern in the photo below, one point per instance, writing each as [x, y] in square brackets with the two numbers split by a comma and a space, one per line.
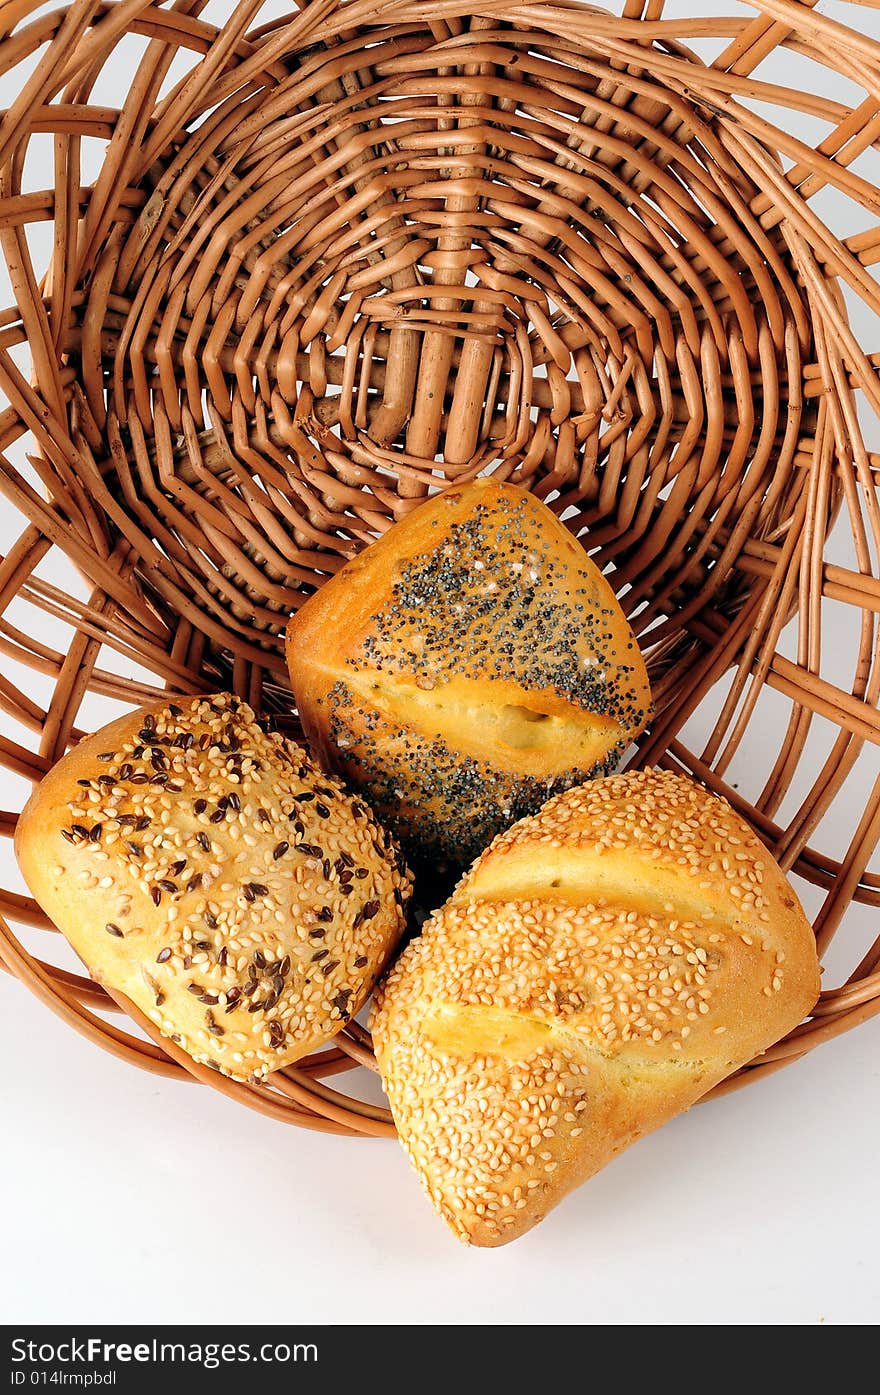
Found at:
[364, 250]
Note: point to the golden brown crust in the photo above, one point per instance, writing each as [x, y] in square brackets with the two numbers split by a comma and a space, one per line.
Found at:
[603, 964]
[465, 666]
[201, 866]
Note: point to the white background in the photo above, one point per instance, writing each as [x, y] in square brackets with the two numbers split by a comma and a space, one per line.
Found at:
[128, 1198]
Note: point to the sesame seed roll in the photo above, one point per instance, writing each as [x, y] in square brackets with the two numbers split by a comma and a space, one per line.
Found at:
[465, 667]
[199, 864]
[600, 967]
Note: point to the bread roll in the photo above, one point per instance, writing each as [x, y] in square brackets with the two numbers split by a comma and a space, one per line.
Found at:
[466, 666]
[600, 967]
[199, 864]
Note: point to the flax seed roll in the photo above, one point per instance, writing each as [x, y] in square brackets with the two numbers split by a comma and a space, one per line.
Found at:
[465, 667]
[601, 966]
[199, 864]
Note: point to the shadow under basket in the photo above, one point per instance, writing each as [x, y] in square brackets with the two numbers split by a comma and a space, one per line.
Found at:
[318, 266]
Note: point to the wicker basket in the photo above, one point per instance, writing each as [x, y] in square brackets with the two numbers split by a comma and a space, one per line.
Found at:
[329, 261]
